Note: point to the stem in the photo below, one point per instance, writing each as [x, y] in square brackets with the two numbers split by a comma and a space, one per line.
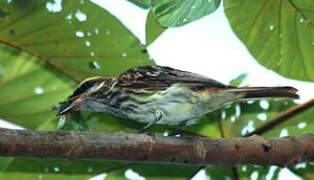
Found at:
[143, 148]
[283, 117]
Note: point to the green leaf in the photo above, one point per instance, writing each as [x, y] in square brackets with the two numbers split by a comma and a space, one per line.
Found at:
[78, 38]
[55, 169]
[154, 171]
[242, 118]
[141, 3]
[173, 13]
[153, 28]
[215, 172]
[28, 89]
[279, 34]
[238, 80]
[297, 125]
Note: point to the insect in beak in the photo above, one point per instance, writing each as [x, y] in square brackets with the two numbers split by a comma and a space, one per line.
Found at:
[74, 102]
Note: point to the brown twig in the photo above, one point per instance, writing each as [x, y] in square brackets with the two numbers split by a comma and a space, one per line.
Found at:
[143, 148]
[283, 117]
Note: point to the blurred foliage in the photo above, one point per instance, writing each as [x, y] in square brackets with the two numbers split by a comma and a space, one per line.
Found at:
[279, 34]
[78, 39]
[142, 3]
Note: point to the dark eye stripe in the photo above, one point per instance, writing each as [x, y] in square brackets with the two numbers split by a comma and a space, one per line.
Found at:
[83, 88]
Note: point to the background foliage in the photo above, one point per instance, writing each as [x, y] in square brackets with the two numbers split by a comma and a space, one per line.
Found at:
[48, 46]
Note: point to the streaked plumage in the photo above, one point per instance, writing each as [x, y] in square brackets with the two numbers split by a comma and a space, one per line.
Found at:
[172, 96]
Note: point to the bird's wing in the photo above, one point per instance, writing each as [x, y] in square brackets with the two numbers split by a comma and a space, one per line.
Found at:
[159, 77]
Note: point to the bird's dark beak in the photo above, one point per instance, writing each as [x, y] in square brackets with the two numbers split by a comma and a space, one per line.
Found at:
[74, 103]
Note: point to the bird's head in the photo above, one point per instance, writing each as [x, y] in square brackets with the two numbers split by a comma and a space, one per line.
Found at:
[86, 90]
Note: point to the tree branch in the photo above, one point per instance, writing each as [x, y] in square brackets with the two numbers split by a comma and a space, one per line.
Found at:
[143, 148]
[283, 117]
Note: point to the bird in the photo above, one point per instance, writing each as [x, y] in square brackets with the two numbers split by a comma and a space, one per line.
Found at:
[161, 95]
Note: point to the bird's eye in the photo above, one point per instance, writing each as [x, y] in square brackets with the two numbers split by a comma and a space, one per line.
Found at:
[96, 87]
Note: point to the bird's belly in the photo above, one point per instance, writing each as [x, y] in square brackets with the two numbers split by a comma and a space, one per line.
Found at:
[173, 107]
[175, 104]
[174, 113]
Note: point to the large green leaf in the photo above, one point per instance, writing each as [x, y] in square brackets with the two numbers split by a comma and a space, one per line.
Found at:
[172, 13]
[77, 37]
[28, 89]
[279, 34]
[153, 29]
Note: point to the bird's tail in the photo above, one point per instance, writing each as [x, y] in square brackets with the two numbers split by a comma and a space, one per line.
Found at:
[265, 92]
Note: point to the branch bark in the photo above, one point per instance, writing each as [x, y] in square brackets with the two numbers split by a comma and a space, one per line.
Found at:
[143, 148]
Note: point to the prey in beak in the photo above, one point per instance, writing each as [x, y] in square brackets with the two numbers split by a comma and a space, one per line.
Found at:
[69, 109]
[71, 105]
[85, 89]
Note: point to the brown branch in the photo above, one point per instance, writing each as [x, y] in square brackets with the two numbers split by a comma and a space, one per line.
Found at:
[283, 117]
[143, 148]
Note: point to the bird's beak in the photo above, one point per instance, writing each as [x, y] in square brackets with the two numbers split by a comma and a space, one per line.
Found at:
[75, 102]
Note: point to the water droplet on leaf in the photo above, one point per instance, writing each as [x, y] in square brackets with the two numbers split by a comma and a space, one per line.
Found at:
[69, 17]
[87, 43]
[96, 31]
[124, 54]
[39, 90]
[271, 27]
[94, 65]
[80, 16]
[55, 6]
[79, 34]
